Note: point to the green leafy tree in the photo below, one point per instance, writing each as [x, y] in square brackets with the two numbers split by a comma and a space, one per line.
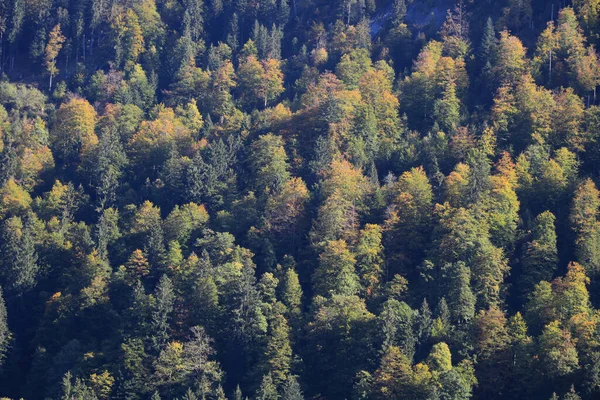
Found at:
[73, 134]
[55, 44]
[584, 220]
[345, 322]
[336, 272]
[557, 351]
[269, 163]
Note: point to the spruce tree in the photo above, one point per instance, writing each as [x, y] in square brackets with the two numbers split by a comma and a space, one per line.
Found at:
[278, 353]
[488, 43]
[461, 299]
[19, 256]
[291, 294]
[268, 389]
[291, 389]
[399, 12]
[4, 332]
[161, 315]
[540, 257]
[237, 395]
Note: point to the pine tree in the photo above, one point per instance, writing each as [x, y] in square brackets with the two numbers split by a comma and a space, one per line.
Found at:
[77, 390]
[19, 256]
[278, 353]
[440, 358]
[409, 216]
[195, 10]
[392, 378]
[396, 323]
[461, 300]
[585, 213]
[423, 322]
[572, 394]
[479, 176]
[291, 389]
[155, 396]
[137, 267]
[154, 246]
[557, 351]
[442, 324]
[488, 43]
[268, 389]
[107, 231]
[369, 259]
[161, 315]
[111, 159]
[540, 258]
[446, 110]
[283, 12]
[233, 36]
[291, 295]
[269, 163]
[4, 332]
[237, 395]
[189, 395]
[399, 12]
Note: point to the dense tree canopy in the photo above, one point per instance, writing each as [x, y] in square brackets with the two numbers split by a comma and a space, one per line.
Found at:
[299, 199]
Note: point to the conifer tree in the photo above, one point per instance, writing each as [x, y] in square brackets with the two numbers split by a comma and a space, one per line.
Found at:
[396, 322]
[267, 389]
[291, 294]
[291, 389]
[541, 257]
[161, 315]
[488, 43]
[461, 300]
[584, 220]
[19, 256]
[237, 395]
[107, 231]
[399, 12]
[278, 351]
[4, 332]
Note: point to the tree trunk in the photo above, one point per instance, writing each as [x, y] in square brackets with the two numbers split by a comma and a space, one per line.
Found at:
[92, 43]
[349, 5]
[550, 67]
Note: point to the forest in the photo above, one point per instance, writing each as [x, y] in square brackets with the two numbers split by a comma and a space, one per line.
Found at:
[299, 199]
